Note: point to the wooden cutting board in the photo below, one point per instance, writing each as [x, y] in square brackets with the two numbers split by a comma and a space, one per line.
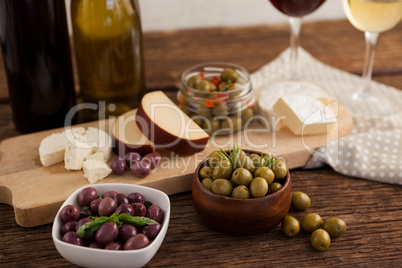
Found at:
[37, 192]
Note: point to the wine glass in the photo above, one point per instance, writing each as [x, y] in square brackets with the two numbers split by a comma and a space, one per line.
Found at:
[295, 9]
[372, 17]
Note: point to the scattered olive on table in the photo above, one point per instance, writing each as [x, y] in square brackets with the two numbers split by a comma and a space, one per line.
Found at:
[116, 222]
[320, 240]
[139, 166]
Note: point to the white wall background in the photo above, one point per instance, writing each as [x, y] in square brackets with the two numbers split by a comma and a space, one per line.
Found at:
[166, 15]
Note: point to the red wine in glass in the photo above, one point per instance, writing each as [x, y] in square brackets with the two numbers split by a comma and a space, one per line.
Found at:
[297, 8]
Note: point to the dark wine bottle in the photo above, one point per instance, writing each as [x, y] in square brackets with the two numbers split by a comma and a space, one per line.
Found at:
[36, 53]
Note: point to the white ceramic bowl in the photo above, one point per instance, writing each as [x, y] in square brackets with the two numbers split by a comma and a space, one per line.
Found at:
[90, 257]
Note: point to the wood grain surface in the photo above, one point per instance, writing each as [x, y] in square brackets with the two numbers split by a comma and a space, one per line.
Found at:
[371, 210]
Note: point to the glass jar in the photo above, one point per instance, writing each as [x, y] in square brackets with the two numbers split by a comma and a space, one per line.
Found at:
[218, 96]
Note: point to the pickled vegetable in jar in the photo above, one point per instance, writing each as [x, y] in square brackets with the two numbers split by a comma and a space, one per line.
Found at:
[108, 47]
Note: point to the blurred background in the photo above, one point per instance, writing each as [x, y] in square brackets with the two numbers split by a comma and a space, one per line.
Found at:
[166, 15]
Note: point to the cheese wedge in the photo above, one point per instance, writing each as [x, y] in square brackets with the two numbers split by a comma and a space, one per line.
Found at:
[95, 170]
[52, 148]
[304, 115]
[270, 95]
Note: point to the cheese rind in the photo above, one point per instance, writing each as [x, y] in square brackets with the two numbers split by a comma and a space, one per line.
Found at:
[52, 148]
[270, 95]
[305, 115]
[95, 170]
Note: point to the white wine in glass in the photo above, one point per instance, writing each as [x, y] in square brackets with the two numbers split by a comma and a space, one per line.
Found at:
[372, 17]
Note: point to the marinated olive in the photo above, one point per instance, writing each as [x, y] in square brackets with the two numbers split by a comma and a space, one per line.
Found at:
[206, 172]
[279, 169]
[204, 85]
[334, 226]
[300, 201]
[229, 74]
[214, 158]
[266, 173]
[203, 111]
[245, 162]
[290, 226]
[222, 170]
[241, 191]
[211, 125]
[207, 182]
[231, 123]
[193, 81]
[246, 115]
[274, 187]
[311, 222]
[242, 176]
[198, 119]
[258, 187]
[220, 110]
[256, 159]
[320, 240]
[222, 187]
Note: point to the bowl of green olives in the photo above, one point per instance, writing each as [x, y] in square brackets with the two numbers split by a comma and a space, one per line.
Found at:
[241, 192]
[218, 96]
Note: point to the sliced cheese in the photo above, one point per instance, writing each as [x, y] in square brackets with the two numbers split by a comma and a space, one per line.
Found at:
[95, 170]
[270, 95]
[304, 115]
[52, 148]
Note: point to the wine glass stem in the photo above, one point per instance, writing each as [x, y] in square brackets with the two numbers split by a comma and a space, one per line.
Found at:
[371, 41]
[295, 28]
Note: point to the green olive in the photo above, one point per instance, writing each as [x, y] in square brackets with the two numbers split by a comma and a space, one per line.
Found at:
[215, 157]
[229, 74]
[320, 240]
[231, 124]
[246, 115]
[334, 226]
[222, 187]
[203, 111]
[241, 192]
[257, 160]
[258, 187]
[193, 81]
[290, 226]
[221, 110]
[206, 172]
[222, 170]
[207, 182]
[210, 125]
[242, 176]
[214, 88]
[245, 162]
[279, 169]
[199, 120]
[274, 187]
[300, 201]
[266, 173]
[204, 85]
[311, 222]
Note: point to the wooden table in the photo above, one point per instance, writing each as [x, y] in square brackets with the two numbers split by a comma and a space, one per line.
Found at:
[372, 210]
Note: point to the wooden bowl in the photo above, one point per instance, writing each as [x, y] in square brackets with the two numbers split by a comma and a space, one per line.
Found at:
[240, 216]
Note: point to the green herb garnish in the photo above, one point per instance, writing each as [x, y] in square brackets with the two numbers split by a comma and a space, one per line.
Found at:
[234, 155]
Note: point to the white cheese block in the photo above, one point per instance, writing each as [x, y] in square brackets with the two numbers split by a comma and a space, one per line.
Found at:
[100, 156]
[270, 95]
[304, 115]
[95, 170]
[51, 149]
[100, 141]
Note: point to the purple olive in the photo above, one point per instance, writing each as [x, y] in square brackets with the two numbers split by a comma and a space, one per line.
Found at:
[125, 208]
[86, 196]
[114, 246]
[72, 238]
[136, 198]
[132, 157]
[107, 233]
[126, 231]
[118, 166]
[109, 194]
[107, 206]
[70, 213]
[121, 199]
[136, 242]
[94, 206]
[141, 169]
[85, 213]
[68, 226]
[154, 159]
[151, 231]
[156, 213]
[95, 244]
[139, 209]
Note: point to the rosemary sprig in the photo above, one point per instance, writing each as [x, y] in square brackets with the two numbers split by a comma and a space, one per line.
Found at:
[233, 156]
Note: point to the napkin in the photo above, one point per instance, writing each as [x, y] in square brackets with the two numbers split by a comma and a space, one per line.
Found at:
[374, 149]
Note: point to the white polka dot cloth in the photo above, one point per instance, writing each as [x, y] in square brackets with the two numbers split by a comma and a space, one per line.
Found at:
[374, 150]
